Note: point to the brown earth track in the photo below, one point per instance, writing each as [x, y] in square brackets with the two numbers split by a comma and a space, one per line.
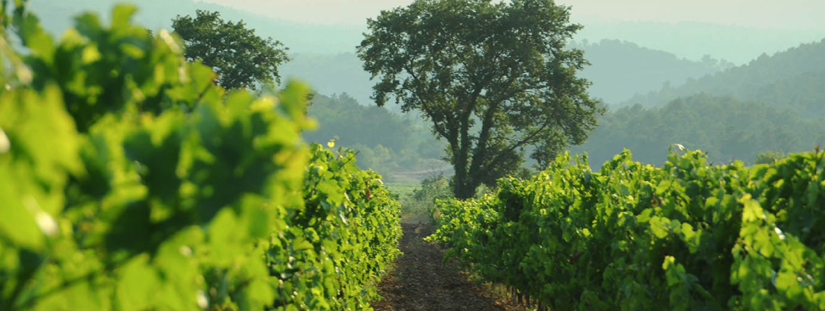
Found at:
[419, 280]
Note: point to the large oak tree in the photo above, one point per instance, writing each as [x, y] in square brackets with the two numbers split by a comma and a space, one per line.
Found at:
[494, 79]
[239, 57]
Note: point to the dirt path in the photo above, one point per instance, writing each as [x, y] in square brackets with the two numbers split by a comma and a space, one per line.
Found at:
[419, 281]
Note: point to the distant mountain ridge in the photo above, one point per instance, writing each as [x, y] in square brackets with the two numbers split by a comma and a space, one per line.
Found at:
[618, 71]
[694, 40]
[793, 79]
[691, 40]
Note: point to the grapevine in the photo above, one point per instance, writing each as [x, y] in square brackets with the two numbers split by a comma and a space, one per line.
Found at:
[130, 181]
[684, 236]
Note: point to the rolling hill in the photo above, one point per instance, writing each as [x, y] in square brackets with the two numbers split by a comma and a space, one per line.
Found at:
[793, 79]
[723, 126]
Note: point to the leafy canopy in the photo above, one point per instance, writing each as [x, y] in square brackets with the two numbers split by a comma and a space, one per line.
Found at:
[492, 78]
[241, 58]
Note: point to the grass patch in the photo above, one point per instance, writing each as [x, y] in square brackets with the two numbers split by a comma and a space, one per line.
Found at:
[401, 190]
[418, 200]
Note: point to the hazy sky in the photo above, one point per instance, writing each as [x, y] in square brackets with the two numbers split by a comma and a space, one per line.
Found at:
[773, 14]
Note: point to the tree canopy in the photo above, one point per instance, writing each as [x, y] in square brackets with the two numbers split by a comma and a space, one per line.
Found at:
[239, 57]
[492, 78]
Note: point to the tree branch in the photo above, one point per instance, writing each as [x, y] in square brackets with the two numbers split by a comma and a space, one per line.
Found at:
[438, 128]
[527, 139]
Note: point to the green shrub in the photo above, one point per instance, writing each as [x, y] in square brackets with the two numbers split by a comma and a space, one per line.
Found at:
[769, 157]
[421, 200]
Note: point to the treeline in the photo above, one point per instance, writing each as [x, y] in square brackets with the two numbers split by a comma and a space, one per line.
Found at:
[725, 128]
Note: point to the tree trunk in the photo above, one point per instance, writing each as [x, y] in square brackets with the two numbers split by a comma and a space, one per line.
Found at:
[464, 191]
[465, 186]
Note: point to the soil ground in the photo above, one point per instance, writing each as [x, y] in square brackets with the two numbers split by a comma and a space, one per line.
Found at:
[419, 280]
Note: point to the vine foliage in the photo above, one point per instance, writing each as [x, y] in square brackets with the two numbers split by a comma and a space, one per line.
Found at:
[684, 236]
[130, 181]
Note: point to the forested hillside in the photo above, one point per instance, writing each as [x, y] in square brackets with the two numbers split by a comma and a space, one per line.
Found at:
[788, 80]
[722, 126]
[401, 148]
[803, 94]
[621, 69]
[334, 74]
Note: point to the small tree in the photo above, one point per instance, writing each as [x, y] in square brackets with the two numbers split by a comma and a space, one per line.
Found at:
[239, 57]
[769, 157]
[492, 78]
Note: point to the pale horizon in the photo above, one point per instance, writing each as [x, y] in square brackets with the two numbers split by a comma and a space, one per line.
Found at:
[760, 14]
